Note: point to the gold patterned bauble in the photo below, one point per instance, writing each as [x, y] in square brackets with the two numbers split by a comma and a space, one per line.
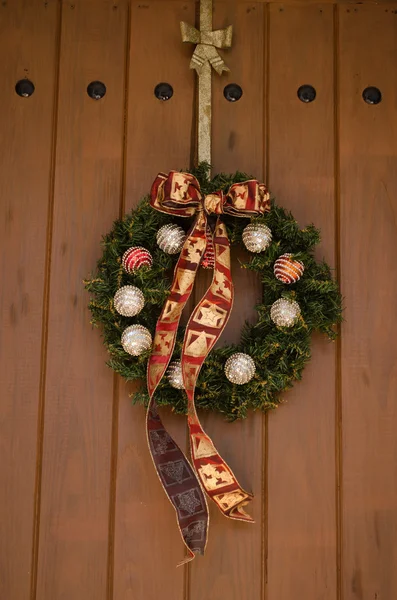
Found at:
[288, 270]
[239, 368]
[257, 237]
[136, 339]
[284, 312]
[129, 301]
[170, 238]
[174, 375]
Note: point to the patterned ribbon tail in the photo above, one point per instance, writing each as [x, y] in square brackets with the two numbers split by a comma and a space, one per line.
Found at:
[205, 326]
[176, 474]
[180, 484]
[179, 194]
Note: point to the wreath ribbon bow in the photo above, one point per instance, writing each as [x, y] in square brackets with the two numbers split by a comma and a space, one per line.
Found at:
[179, 194]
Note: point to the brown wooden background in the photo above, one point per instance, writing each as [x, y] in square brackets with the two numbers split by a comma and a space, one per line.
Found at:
[82, 514]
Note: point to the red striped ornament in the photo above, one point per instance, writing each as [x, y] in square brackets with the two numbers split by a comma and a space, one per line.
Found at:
[136, 257]
[288, 270]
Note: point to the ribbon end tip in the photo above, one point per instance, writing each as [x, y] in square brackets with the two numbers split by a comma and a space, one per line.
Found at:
[239, 514]
[186, 560]
[245, 517]
[251, 520]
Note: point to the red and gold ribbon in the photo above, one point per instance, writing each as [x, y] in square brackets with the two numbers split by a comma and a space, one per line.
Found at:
[179, 194]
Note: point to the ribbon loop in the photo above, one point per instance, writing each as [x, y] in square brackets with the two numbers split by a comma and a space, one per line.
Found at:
[190, 33]
[176, 194]
[247, 199]
[179, 194]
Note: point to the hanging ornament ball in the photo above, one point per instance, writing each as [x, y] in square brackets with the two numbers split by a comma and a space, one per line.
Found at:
[284, 312]
[288, 270]
[136, 257]
[170, 238]
[239, 368]
[136, 339]
[129, 301]
[174, 375]
[257, 237]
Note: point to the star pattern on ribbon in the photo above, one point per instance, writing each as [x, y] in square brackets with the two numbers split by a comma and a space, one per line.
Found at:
[179, 194]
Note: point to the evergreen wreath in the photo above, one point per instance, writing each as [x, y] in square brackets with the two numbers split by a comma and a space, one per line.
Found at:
[280, 353]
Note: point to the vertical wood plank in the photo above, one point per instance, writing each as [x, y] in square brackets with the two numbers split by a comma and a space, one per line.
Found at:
[237, 128]
[301, 468]
[368, 155]
[79, 389]
[147, 542]
[232, 566]
[28, 40]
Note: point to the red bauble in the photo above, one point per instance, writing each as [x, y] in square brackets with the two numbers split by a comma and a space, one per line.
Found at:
[288, 270]
[135, 258]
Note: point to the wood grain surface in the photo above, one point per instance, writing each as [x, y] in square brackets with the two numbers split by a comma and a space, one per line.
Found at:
[236, 548]
[301, 484]
[82, 513]
[79, 388]
[28, 38]
[368, 150]
[158, 138]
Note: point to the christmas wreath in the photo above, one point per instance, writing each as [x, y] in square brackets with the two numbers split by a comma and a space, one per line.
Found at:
[135, 274]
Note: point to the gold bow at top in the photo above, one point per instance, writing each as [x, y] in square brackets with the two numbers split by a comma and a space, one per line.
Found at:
[207, 44]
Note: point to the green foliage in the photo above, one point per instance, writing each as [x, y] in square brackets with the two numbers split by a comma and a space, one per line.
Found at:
[280, 354]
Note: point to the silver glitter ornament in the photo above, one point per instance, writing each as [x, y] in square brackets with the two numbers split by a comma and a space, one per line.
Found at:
[136, 339]
[284, 312]
[257, 237]
[129, 301]
[170, 238]
[174, 375]
[239, 368]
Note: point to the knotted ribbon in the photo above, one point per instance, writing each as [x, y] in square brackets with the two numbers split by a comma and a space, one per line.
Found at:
[179, 194]
[207, 44]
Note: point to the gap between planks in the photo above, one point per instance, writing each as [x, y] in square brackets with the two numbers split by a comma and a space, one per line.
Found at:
[338, 358]
[265, 417]
[116, 378]
[46, 308]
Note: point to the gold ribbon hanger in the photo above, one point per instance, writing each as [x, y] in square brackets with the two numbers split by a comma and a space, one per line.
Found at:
[204, 57]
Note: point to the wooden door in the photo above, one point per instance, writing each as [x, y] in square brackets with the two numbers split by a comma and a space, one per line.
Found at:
[83, 516]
